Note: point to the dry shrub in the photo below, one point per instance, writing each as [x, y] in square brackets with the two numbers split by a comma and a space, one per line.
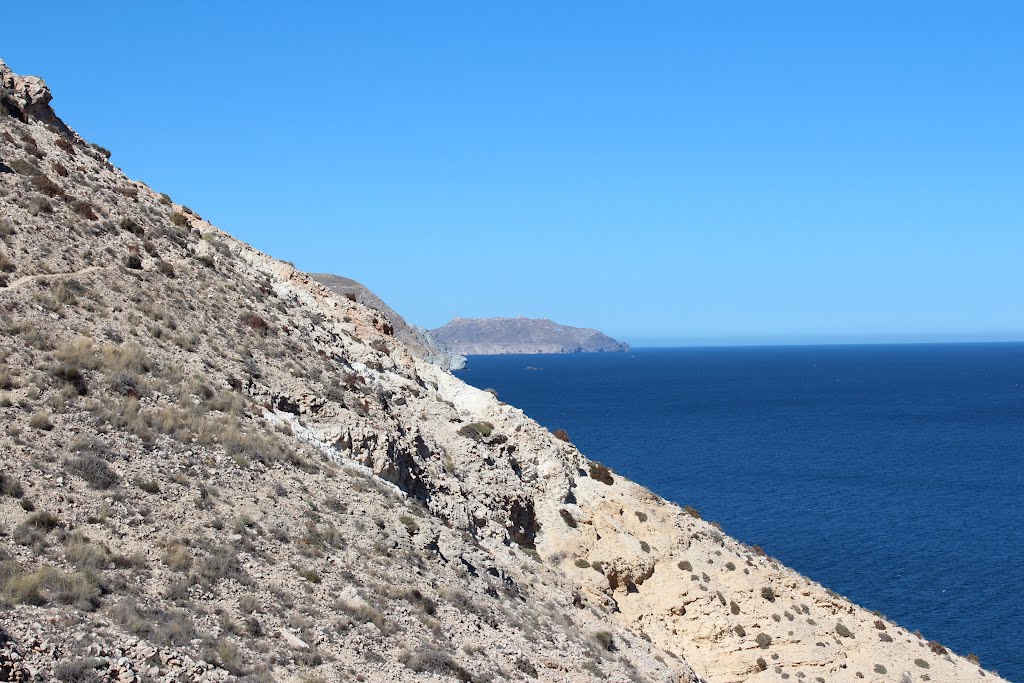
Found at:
[160, 627]
[18, 587]
[72, 376]
[177, 557]
[128, 358]
[94, 470]
[79, 354]
[222, 564]
[433, 660]
[63, 144]
[84, 209]
[42, 184]
[40, 420]
[256, 323]
[129, 224]
[84, 554]
[46, 585]
[601, 473]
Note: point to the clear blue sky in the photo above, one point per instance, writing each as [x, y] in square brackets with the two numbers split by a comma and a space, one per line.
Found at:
[666, 171]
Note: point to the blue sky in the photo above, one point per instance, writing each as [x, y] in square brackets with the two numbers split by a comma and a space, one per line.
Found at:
[669, 172]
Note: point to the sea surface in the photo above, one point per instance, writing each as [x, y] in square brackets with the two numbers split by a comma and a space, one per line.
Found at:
[893, 474]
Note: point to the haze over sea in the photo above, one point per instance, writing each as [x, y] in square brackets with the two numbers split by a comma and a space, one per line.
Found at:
[893, 474]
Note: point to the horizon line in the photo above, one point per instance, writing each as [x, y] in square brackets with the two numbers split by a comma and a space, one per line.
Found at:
[738, 343]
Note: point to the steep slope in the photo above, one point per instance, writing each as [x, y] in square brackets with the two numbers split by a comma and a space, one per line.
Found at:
[419, 341]
[489, 336]
[214, 467]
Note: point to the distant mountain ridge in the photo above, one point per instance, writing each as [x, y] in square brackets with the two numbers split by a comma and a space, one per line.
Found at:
[495, 336]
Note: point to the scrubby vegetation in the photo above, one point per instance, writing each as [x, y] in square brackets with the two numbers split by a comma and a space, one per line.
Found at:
[476, 431]
[601, 473]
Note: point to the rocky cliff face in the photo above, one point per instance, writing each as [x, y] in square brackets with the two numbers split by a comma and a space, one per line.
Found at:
[213, 467]
[419, 341]
[490, 336]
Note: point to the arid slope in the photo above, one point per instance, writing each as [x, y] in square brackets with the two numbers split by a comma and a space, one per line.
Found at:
[213, 467]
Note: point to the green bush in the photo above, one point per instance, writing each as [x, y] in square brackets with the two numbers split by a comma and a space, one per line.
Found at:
[477, 431]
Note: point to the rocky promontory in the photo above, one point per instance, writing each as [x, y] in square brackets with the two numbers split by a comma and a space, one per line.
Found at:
[421, 342]
[497, 336]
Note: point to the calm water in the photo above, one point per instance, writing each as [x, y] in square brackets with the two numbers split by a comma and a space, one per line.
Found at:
[892, 474]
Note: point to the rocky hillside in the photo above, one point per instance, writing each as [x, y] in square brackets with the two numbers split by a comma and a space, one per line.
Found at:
[214, 468]
[419, 341]
[490, 336]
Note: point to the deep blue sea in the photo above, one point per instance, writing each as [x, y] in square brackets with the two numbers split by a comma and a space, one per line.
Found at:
[893, 474]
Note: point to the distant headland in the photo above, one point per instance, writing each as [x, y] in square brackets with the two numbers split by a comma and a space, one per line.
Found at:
[495, 336]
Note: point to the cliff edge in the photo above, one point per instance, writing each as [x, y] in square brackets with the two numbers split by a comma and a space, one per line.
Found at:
[421, 342]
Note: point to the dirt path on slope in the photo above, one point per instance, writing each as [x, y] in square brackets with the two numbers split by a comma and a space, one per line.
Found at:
[26, 279]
